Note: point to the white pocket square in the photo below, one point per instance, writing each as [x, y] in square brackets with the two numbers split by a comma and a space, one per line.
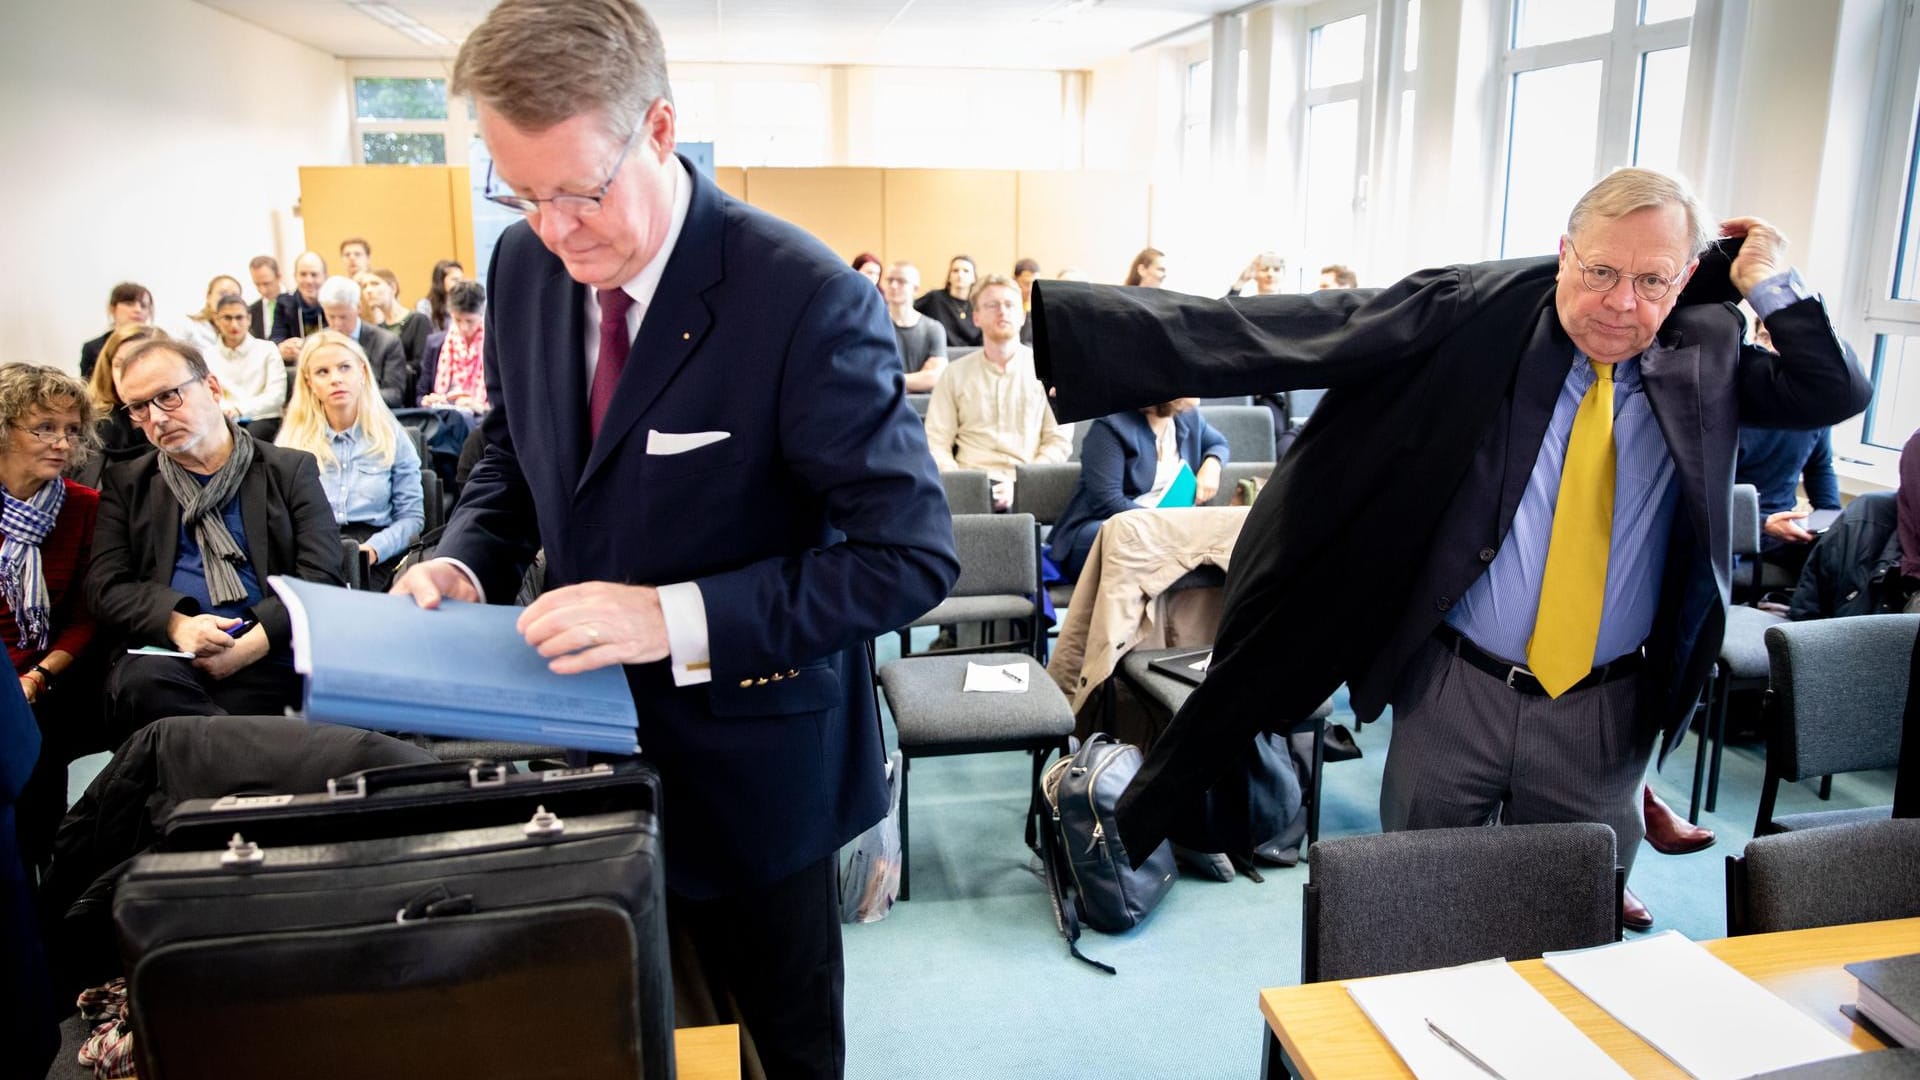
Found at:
[673, 442]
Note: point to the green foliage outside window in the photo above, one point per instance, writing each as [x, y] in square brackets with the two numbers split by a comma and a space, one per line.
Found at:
[400, 99]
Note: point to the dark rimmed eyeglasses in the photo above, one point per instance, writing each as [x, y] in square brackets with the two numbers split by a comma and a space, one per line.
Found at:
[166, 401]
[575, 205]
[1648, 287]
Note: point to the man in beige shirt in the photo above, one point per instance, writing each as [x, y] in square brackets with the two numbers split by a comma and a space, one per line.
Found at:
[988, 410]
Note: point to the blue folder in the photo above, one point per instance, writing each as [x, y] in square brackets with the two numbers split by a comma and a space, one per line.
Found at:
[381, 662]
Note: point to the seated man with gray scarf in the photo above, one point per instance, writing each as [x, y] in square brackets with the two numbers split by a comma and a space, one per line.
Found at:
[186, 538]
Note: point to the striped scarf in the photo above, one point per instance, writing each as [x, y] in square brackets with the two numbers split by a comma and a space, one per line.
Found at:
[23, 584]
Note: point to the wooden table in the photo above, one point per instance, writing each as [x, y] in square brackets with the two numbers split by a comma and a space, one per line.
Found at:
[707, 1053]
[1326, 1035]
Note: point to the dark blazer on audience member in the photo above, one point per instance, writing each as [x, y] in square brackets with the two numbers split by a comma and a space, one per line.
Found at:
[389, 362]
[1441, 390]
[1118, 463]
[260, 320]
[293, 319]
[290, 530]
[90, 355]
[813, 523]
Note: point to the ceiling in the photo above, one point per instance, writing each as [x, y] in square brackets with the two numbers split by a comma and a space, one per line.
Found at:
[945, 33]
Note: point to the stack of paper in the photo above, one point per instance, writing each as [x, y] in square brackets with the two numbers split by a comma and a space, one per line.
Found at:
[381, 662]
[1707, 1018]
[1491, 1014]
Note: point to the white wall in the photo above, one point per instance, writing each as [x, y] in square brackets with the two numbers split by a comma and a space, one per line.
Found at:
[150, 140]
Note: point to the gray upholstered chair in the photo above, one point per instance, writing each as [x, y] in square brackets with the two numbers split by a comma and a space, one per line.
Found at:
[1164, 695]
[1742, 664]
[918, 403]
[1835, 704]
[1407, 901]
[1044, 489]
[969, 491]
[1234, 473]
[936, 718]
[1080, 430]
[1243, 399]
[999, 582]
[1248, 428]
[1301, 403]
[1864, 871]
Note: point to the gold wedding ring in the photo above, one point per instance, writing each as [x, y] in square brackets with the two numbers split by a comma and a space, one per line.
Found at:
[593, 633]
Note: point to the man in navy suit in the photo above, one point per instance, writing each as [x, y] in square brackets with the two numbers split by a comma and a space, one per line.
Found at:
[698, 413]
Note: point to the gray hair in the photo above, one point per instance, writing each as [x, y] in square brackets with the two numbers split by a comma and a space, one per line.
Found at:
[1625, 190]
[541, 62]
[338, 291]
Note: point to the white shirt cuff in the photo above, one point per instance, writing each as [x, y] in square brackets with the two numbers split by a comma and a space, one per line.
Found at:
[467, 570]
[685, 613]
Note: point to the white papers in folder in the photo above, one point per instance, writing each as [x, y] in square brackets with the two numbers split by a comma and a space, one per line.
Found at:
[1492, 1012]
[1687, 1003]
[996, 678]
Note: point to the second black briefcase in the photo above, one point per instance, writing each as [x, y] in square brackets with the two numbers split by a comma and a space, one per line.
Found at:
[530, 948]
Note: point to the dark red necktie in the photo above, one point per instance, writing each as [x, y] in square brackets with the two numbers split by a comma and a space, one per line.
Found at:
[614, 304]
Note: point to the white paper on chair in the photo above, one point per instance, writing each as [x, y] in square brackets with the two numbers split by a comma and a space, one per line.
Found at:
[996, 678]
[1687, 1003]
[1487, 1008]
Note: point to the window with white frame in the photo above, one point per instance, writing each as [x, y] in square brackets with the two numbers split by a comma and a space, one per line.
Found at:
[402, 115]
[1196, 129]
[1337, 135]
[1893, 307]
[1588, 84]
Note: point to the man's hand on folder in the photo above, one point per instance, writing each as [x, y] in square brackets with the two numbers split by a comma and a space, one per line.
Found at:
[429, 581]
[583, 627]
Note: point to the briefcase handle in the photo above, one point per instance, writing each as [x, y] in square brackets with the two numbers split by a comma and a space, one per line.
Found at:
[477, 772]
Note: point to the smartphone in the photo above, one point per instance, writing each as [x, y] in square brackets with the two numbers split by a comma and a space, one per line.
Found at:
[1819, 521]
[241, 627]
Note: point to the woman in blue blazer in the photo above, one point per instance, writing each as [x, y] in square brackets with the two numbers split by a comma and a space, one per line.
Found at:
[1120, 462]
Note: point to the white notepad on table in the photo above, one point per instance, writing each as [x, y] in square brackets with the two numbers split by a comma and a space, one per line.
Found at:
[1487, 1008]
[1710, 1020]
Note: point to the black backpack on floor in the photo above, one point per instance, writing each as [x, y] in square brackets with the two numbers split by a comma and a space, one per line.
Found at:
[1082, 850]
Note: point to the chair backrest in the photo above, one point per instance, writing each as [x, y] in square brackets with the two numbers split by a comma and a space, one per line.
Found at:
[918, 403]
[1838, 693]
[1234, 473]
[999, 555]
[1044, 489]
[1301, 403]
[433, 499]
[1079, 436]
[969, 491]
[1248, 428]
[1243, 399]
[1745, 522]
[1407, 901]
[1862, 871]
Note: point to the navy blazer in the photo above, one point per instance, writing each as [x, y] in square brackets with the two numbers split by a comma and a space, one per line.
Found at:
[1118, 462]
[816, 521]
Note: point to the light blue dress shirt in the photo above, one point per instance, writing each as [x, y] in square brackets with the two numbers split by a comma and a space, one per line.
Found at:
[365, 490]
[1497, 613]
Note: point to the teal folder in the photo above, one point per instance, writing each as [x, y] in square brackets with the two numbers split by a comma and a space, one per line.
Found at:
[1183, 489]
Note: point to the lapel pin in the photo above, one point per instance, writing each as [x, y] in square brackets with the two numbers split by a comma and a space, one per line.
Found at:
[686, 335]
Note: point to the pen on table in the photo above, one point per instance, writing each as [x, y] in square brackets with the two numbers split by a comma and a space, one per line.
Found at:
[1016, 678]
[1463, 1051]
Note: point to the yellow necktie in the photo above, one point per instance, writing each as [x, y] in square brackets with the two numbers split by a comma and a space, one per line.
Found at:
[1575, 581]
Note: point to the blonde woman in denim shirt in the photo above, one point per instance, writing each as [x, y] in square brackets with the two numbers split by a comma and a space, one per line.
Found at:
[367, 463]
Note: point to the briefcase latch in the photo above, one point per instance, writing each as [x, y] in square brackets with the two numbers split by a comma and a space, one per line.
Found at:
[242, 852]
[545, 823]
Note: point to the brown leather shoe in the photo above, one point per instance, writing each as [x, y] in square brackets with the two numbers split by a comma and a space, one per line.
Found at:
[1668, 832]
[1634, 914]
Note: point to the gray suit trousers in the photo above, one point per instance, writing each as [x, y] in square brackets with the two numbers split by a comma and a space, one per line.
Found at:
[1469, 750]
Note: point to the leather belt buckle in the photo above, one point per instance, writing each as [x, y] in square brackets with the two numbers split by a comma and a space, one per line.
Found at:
[1517, 670]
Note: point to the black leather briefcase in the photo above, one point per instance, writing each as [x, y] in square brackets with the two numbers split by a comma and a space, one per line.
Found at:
[349, 940]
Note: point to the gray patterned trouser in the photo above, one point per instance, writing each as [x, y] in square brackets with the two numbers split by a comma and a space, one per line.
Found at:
[1468, 750]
